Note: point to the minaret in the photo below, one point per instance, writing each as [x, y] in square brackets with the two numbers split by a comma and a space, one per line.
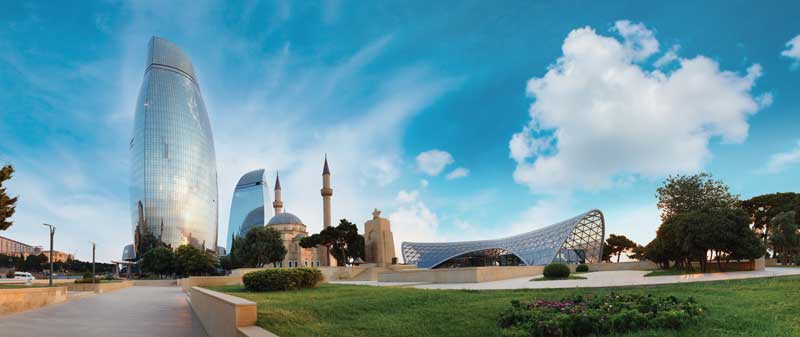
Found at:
[277, 205]
[327, 193]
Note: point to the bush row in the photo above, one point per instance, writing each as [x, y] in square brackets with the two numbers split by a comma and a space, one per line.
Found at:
[282, 279]
[607, 314]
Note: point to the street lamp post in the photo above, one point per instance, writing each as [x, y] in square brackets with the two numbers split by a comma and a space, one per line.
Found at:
[94, 277]
[52, 232]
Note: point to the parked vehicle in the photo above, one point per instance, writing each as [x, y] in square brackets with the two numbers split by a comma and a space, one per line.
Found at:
[21, 275]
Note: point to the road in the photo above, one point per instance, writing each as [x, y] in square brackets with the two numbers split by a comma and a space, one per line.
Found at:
[134, 311]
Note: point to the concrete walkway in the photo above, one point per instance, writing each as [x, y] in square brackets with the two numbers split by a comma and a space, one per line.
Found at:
[134, 311]
[593, 280]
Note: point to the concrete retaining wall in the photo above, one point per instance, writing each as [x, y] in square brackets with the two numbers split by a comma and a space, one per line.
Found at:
[459, 275]
[221, 314]
[22, 299]
[208, 281]
[155, 283]
[98, 288]
[633, 265]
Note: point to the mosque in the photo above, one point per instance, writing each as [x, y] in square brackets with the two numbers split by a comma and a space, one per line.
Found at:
[248, 211]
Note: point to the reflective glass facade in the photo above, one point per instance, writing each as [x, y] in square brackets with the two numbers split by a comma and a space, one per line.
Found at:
[247, 206]
[575, 240]
[173, 165]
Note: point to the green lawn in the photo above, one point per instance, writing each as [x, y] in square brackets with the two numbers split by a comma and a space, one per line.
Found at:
[758, 307]
[15, 286]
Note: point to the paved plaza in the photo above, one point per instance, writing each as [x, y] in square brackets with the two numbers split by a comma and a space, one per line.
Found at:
[134, 311]
[593, 280]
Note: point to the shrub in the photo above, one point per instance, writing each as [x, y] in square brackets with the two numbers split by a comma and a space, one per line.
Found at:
[282, 279]
[87, 280]
[582, 268]
[556, 270]
[607, 314]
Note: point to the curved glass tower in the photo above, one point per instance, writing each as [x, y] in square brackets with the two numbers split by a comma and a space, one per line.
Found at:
[173, 165]
[247, 206]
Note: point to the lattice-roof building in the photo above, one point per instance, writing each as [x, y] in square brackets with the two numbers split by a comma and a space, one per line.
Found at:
[575, 240]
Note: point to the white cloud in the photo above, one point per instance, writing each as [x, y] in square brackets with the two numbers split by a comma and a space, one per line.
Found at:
[412, 220]
[668, 57]
[639, 42]
[424, 183]
[432, 162]
[780, 161]
[793, 50]
[602, 116]
[457, 173]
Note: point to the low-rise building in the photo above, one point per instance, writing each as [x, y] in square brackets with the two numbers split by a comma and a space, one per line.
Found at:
[15, 248]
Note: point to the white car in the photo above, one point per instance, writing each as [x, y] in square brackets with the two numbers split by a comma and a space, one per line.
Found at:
[21, 275]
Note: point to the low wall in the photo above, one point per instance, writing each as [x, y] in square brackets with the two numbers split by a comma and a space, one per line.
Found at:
[22, 299]
[459, 275]
[155, 283]
[772, 263]
[186, 284]
[221, 314]
[632, 265]
[98, 288]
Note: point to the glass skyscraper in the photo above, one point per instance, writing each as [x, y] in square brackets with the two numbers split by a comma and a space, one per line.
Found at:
[173, 165]
[247, 206]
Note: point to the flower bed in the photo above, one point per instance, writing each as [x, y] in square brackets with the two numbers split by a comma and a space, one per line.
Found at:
[579, 316]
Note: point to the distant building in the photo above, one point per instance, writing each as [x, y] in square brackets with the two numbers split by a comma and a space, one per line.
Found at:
[173, 186]
[247, 207]
[575, 240]
[59, 256]
[14, 247]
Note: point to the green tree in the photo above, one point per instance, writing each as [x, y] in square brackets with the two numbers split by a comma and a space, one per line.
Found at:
[785, 239]
[344, 242]
[637, 253]
[618, 244]
[764, 207]
[159, 261]
[7, 204]
[237, 252]
[688, 193]
[656, 251]
[262, 245]
[190, 260]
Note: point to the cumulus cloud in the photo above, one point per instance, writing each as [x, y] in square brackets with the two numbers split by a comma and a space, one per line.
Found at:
[598, 116]
[780, 161]
[793, 50]
[412, 220]
[670, 56]
[432, 162]
[638, 41]
[457, 173]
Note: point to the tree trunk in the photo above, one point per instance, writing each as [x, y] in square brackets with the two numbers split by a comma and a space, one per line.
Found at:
[618, 255]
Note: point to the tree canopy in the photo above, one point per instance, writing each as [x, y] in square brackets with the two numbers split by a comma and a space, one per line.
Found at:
[7, 204]
[160, 261]
[687, 193]
[260, 246]
[785, 239]
[618, 244]
[189, 260]
[763, 208]
[344, 242]
[701, 220]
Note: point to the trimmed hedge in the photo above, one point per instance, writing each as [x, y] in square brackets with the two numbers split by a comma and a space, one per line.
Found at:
[581, 268]
[556, 270]
[282, 279]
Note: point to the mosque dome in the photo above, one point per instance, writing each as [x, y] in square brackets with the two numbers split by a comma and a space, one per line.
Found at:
[284, 218]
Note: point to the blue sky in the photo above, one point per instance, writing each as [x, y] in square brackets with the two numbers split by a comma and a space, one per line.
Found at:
[535, 110]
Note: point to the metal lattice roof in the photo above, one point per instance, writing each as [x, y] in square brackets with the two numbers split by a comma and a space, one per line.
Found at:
[575, 240]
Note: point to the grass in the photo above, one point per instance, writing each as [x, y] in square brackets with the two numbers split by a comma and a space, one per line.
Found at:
[17, 286]
[755, 307]
[570, 277]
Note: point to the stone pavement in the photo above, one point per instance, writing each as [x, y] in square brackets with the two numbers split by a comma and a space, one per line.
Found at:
[593, 280]
[134, 311]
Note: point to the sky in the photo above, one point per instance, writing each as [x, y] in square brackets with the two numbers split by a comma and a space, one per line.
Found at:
[459, 120]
